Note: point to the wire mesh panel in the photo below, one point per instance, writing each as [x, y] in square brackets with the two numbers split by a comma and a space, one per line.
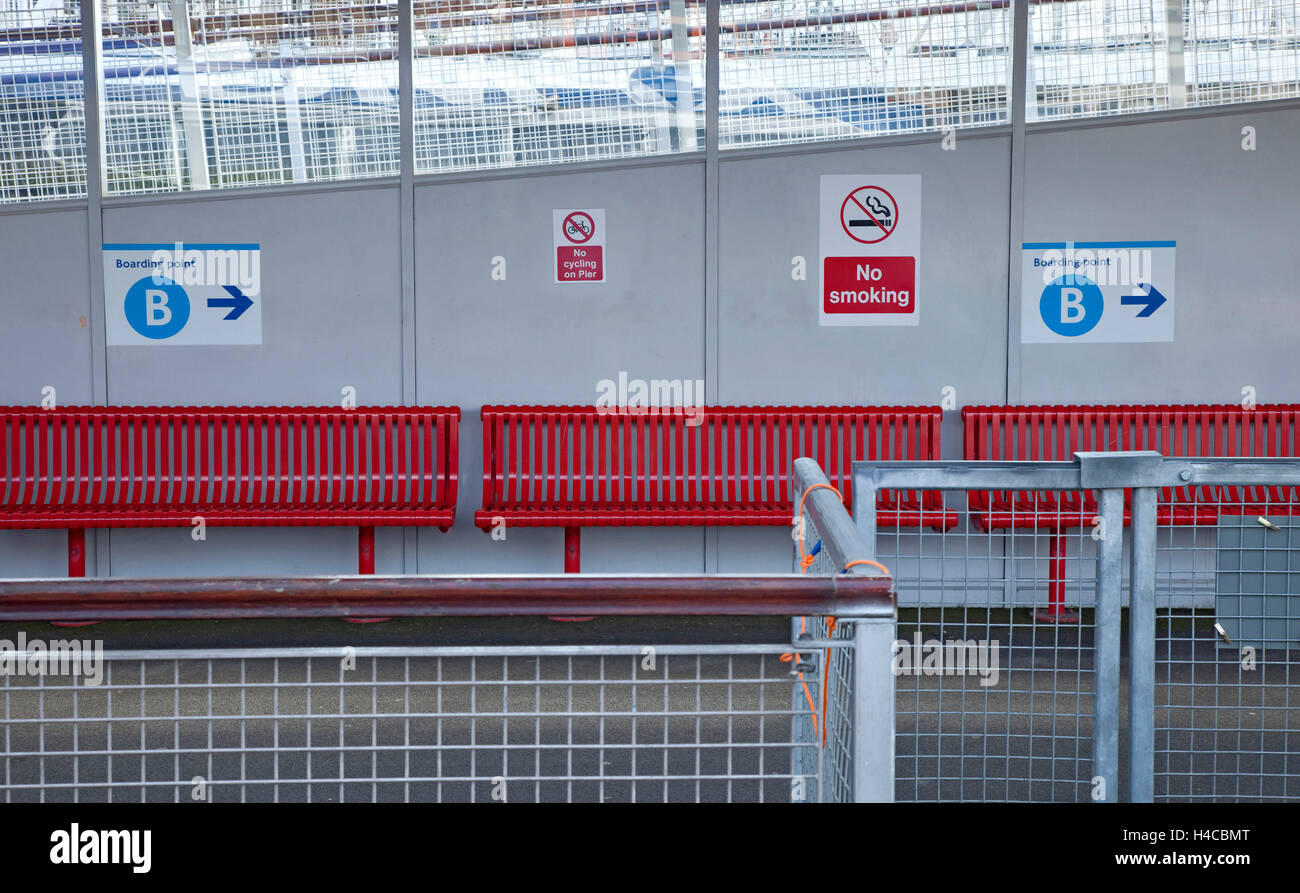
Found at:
[995, 659]
[543, 81]
[42, 120]
[1241, 50]
[237, 94]
[1227, 698]
[797, 71]
[1105, 57]
[609, 723]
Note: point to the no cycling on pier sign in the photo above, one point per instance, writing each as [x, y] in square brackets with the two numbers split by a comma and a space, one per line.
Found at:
[579, 237]
[870, 229]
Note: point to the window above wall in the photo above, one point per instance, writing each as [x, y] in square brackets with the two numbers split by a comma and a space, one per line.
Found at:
[274, 92]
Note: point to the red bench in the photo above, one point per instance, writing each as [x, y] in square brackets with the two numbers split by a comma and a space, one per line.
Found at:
[586, 466]
[1055, 433]
[79, 467]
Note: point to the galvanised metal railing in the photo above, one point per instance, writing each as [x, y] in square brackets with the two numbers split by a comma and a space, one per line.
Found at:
[632, 721]
[1213, 705]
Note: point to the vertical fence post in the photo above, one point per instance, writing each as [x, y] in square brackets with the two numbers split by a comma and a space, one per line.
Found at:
[1141, 647]
[864, 508]
[873, 711]
[1106, 653]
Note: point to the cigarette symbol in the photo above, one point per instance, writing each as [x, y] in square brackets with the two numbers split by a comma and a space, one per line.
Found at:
[879, 209]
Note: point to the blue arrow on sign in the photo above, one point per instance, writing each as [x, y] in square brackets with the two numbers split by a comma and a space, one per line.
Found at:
[238, 302]
[1150, 299]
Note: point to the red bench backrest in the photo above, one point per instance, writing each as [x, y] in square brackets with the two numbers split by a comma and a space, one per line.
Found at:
[145, 465]
[592, 457]
[1047, 433]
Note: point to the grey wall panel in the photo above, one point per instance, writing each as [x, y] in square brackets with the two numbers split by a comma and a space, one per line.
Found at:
[331, 317]
[246, 551]
[44, 341]
[528, 340]
[331, 311]
[1232, 213]
[771, 347]
[45, 330]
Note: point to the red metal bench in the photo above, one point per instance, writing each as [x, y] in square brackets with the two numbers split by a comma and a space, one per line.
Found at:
[1055, 433]
[585, 466]
[79, 467]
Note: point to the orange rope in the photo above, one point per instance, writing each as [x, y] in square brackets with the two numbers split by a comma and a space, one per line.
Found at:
[787, 658]
[806, 560]
[883, 569]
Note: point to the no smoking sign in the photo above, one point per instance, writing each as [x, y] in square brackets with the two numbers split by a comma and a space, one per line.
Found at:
[579, 241]
[870, 229]
[869, 215]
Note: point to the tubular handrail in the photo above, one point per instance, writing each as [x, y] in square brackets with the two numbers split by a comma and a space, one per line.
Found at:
[850, 596]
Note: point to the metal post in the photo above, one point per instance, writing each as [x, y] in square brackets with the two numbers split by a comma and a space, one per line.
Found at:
[1177, 76]
[1106, 676]
[683, 82]
[406, 229]
[1018, 102]
[712, 205]
[1141, 646]
[803, 737]
[92, 53]
[196, 144]
[293, 124]
[864, 509]
[873, 711]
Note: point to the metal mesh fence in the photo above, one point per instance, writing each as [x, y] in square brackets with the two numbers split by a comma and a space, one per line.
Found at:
[852, 703]
[796, 72]
[296, 93]
[1024, 569]
[995, 679]
[42, 120]
[1227, 718]
[546, 723]
[1106, 57]
[289, 92]
[499, 85]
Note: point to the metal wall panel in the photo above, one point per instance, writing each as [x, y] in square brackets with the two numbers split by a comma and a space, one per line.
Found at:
[526, 340]
[331, 318]
[1229, 210]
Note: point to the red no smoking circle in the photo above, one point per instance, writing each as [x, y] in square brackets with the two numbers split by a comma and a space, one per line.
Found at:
[869, 214]
[578, 227]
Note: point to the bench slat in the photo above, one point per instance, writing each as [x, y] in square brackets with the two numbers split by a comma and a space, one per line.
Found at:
[155, 466]
[1014, 433]
[576, 466]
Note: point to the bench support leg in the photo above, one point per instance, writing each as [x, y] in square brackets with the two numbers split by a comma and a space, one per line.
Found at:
[572, 549]
[76, 552]
[1056, 611]
[366, 565]
[572, 561]
[366, 550]
[76, 568]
